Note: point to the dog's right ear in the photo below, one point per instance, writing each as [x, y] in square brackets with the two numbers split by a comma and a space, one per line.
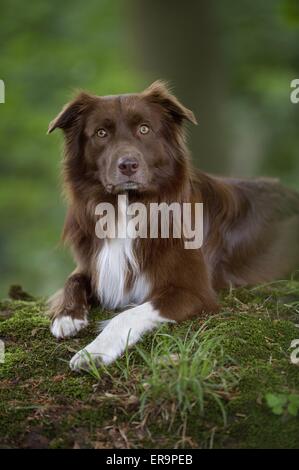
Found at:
[72, 112]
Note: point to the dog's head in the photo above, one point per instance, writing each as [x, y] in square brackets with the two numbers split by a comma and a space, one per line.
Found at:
[127, 142]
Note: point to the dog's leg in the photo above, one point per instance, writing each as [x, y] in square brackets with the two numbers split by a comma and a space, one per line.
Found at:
[123, 330]
[69, 307]
[128, 327]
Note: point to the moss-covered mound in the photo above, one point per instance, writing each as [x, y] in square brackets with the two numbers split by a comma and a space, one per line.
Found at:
[227, 381]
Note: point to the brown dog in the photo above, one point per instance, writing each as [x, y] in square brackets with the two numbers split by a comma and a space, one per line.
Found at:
[134, 145]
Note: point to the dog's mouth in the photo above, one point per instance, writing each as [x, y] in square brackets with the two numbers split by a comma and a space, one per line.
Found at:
[126, 186]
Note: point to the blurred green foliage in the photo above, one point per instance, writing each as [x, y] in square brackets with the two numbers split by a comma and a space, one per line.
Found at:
[49, 49]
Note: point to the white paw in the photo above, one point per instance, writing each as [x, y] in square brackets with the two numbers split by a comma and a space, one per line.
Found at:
[93, 355]
[83, 360]
[66, 326]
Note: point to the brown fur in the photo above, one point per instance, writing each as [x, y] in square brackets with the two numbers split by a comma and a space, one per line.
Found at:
[251, 227]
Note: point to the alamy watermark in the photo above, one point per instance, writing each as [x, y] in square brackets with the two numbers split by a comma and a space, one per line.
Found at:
[2, 92]
[153, 220]
[294, 95]
[295, 353]
[2, 352]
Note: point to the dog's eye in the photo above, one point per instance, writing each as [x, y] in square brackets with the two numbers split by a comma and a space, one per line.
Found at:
[144, 129]
[102, 133]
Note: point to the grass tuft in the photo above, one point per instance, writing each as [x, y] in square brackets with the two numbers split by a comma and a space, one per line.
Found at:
[184, 373]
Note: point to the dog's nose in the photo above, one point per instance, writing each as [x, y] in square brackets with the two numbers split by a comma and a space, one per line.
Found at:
[128, 165]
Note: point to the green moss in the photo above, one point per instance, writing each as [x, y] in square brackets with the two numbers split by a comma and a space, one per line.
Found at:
[13, 358]
[43, 404]
[249, 338]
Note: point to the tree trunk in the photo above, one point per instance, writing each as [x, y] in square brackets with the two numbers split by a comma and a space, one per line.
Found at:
[180, 42]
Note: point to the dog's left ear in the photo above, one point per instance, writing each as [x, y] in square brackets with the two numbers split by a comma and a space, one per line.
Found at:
[72, 112]
[158, 93]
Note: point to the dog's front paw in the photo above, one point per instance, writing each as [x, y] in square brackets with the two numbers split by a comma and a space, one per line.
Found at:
[85, 360]
[101, 351]
[65, 326]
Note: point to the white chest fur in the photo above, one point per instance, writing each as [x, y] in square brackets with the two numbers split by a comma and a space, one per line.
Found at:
[114, 261]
